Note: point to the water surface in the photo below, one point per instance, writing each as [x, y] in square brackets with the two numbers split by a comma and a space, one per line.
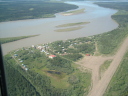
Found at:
[99, 18]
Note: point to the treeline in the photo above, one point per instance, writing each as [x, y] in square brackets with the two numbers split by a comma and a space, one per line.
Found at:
[11, 39]
[17, 84]
[20, 10]
[73, 57]
[114, 5]
[110, 41]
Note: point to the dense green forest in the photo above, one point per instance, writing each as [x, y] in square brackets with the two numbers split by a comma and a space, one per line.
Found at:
[109, 42]
[20, 10]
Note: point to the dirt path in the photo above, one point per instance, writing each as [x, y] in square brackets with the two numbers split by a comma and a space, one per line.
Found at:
[93, 62]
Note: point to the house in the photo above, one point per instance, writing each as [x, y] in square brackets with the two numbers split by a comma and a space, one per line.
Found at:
[87, 54]
[52, 56]
[39, 47]
[15, 55]
[42, 50]
[26, 69]
[21, 61]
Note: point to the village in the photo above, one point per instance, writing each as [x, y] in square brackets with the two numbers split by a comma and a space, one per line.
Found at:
[72, 50]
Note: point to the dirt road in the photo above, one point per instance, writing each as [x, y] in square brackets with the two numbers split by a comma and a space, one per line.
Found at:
[93, 62]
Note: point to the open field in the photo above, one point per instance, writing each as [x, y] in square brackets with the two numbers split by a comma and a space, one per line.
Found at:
[104, 67]
[94, 62]
[74, 12]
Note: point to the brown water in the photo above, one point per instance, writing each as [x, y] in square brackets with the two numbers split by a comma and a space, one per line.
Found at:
[99, 18]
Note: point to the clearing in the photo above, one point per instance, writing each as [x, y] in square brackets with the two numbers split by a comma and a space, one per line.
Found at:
[94, 62]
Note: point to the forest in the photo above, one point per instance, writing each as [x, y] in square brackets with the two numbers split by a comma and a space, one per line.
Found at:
[109, 42]
[20, 10]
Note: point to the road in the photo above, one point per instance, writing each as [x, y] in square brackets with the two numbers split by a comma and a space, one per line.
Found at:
[93, 62]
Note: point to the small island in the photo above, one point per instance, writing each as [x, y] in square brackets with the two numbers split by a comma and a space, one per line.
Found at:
[71, 26]
[69, 29]
[74, 12]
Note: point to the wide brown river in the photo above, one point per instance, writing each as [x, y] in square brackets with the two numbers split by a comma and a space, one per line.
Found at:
[99, 18]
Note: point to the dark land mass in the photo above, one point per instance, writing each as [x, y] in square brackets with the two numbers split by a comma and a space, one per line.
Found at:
[20, 10]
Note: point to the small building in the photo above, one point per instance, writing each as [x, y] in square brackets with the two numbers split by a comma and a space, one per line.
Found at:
[87, 54]
[39, 47]
[43, 50]
[52, 56]
[15, 55]
[33, 46]
[26, 69]
[21, 61]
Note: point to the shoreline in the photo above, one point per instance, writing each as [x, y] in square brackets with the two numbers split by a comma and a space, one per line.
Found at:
[49, 35]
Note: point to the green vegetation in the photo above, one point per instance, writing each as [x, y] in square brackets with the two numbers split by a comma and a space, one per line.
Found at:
[20, 10]
[109, 42]
[38, 75]
[73, 57]
[72, 24]
[104, 67]
[69, 29]
[11, 39]
[74, 12]
[77, 26]
[58, 76]
[119, 85]
[69, 47]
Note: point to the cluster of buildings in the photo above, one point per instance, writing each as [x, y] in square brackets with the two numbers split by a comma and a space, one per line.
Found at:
[23, 65]
[43, 49]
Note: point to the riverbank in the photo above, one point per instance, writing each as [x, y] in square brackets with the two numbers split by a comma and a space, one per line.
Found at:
[99, 23]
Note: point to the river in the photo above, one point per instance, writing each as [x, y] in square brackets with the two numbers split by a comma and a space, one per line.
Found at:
[99, 18]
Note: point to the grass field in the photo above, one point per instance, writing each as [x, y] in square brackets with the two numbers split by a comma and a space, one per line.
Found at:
[104, 67]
